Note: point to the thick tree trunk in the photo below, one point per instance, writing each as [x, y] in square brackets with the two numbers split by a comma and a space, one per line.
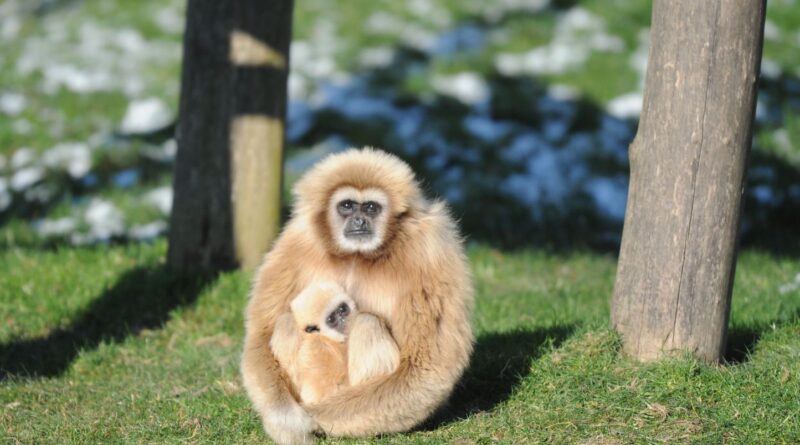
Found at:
[687, 162]
[230, 133]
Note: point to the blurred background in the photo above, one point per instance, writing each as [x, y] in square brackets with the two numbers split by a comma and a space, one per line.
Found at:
[518, 112]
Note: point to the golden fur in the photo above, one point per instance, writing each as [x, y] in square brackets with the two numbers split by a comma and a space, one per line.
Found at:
[415, 289]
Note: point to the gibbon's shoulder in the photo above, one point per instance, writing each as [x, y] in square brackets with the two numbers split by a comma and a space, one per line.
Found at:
[430, 233]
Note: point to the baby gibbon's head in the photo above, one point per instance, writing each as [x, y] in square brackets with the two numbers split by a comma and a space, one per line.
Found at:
[323, 309]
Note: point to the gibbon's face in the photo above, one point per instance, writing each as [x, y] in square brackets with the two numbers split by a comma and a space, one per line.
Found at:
[358, 218]
[323, 310]
[334, 321]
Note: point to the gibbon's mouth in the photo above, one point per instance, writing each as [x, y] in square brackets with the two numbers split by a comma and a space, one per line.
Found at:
[358, 233]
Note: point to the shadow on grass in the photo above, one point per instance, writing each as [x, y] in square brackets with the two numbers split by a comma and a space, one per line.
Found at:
[499, 363]
[143, 298]
[742, 340]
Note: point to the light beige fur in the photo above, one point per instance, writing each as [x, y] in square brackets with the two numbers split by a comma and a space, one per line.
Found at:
[414, 289]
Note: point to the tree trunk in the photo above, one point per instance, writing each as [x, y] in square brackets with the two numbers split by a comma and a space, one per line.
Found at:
[688, 162]
[230, 133]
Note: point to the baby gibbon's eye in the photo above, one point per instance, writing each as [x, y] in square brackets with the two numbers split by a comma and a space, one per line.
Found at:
[343, 309]
[312, 328]
[331, 320]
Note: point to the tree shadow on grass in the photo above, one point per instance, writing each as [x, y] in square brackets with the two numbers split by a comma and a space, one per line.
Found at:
[143, 298]
[743, 339]
[499, 364]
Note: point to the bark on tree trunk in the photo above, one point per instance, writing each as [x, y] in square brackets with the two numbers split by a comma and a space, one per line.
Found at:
[230, 133]
[687, 163]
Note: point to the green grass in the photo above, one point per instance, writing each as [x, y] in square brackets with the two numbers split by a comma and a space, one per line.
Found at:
[107, 345]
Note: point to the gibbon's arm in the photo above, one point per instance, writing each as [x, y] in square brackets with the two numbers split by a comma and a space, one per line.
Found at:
[285, 343]
[371, 350]
[432, 330]
[267, 385]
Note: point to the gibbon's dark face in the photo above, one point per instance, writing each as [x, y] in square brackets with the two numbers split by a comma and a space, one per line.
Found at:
[358, 218]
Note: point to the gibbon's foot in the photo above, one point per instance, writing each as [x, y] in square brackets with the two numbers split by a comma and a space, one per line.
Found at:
[290, 425]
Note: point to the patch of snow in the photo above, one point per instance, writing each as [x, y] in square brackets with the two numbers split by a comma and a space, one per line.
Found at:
[146, 116]
[55, 227]
[41, 193]
[298, 87]
[497, 9]
[562, 92]
[771, 31]
[104, 219]
[384, 23]
[160, 198]
[627, 106]
[782, 140]
[429, 11]
[770, 69]
[164, 153]
[5, 194]
[578, 33]
[638, 60]
[12, 104]
[94, 57]
[26, 177]
[74, 157]
[22, 157]
[10, 26]
[169, 20]
[790, 286]
[376, 57]
[22, 126]
[468, 87]
[147, 232]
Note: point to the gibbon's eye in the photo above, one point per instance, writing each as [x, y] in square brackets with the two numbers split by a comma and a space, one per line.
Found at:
[343, 309]
[371, 208]
[346, 207]
[331, 320]
[312, 328]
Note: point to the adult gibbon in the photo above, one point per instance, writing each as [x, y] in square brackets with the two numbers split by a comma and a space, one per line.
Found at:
[360, 220]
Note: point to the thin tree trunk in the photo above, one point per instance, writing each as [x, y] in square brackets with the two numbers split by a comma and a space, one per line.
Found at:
[230, 133]
[688, 161]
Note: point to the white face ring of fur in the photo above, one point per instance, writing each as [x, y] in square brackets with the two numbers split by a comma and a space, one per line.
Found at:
[358, 218]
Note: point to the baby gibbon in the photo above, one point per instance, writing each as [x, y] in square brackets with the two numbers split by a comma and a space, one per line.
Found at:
[310, 343]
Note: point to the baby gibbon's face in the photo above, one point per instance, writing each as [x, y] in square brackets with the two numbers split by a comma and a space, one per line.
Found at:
[358, 218]
[323, 309]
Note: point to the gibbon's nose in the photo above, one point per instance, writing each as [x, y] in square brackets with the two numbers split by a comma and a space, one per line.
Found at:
[358, 222]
